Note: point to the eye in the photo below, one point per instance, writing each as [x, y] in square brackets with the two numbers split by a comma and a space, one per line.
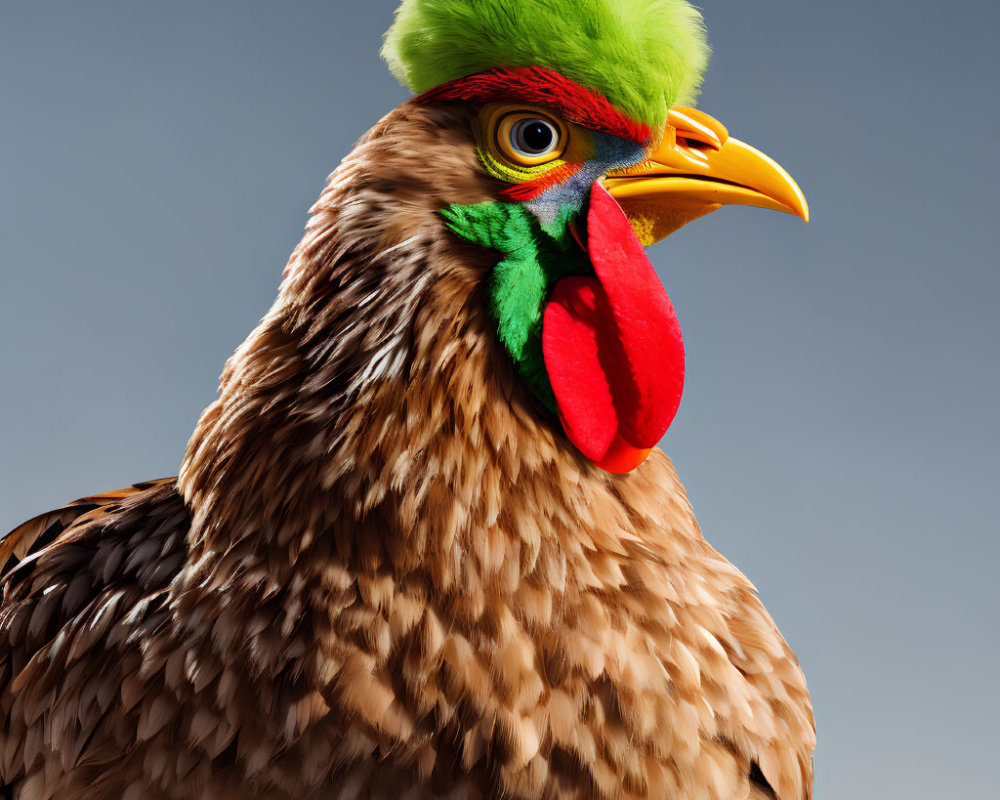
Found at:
[533, 137]
[530, 139]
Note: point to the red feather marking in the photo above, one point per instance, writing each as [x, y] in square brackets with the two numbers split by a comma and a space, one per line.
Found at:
[529, 190]
[541, 86]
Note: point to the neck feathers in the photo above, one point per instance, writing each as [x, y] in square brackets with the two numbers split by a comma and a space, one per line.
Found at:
[373, 412]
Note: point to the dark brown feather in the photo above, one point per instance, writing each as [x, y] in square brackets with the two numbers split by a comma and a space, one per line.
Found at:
[41, 531]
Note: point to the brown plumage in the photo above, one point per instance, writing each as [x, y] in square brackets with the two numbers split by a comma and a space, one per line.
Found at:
[383, 571]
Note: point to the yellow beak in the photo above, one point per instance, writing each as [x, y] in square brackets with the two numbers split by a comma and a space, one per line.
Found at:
[694, 170]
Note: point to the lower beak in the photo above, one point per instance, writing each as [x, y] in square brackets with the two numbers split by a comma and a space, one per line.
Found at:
[694, 170]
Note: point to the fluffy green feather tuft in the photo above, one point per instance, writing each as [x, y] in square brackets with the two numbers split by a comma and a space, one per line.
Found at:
[642, 55]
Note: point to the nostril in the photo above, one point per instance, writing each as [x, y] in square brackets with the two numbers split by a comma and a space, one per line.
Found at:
[694, 144]
[695, 125]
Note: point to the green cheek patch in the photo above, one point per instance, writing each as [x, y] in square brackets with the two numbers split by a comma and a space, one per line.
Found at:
[535, 257]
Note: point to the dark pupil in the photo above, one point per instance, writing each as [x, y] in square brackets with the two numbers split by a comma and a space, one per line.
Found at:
[537, 137]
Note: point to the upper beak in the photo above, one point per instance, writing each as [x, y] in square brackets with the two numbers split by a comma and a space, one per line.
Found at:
[695, 169]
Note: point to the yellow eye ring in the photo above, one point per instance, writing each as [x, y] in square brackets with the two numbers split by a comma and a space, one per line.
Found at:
[530, 138]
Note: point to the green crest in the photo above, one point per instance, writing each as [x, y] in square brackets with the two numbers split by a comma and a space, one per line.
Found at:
[644, 56]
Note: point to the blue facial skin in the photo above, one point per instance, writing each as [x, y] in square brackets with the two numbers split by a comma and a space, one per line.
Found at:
[612, 152]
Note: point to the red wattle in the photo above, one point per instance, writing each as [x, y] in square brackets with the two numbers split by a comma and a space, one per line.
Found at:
[581, 348]
[622, 458]
[613, 346]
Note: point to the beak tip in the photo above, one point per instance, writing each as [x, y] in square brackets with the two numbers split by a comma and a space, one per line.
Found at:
[798, 204]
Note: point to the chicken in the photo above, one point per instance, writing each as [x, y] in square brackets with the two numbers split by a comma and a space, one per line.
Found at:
[423, 544]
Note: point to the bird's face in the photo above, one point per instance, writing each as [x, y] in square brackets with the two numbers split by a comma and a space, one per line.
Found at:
[581, 189]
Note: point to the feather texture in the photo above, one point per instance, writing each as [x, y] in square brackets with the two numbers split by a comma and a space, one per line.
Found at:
[383, 572]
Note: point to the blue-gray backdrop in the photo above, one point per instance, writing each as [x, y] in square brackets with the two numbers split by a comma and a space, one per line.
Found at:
[837, 436]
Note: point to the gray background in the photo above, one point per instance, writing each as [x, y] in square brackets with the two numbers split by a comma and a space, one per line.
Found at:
[837, 436]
